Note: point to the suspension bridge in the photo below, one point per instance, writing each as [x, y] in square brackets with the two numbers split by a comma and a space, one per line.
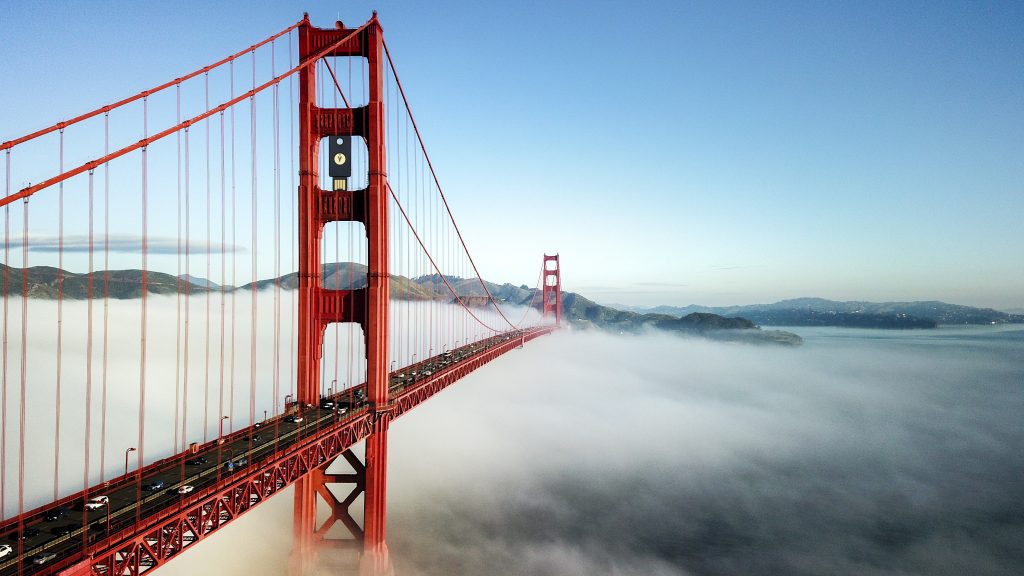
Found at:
[213, 290]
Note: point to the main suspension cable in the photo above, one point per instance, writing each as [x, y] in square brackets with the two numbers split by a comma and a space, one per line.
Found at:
[423, 148]
[145, 93]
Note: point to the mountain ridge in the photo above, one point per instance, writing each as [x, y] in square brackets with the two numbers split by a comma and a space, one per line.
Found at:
[820, 312]
[578, 312]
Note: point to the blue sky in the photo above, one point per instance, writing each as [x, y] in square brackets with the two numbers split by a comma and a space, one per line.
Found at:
[673, 153]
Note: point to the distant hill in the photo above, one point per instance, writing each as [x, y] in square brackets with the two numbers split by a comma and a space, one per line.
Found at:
[577, 311]
[582, 313]
[198, 281]
[125, 284]
[821, 312]
[121, 284]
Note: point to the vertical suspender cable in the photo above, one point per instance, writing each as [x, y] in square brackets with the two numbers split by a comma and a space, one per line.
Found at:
[255, 278]
[408, 309]
[24, 377]
[206, 341]
[106, 294]
[223, 269]
[277, 229]
[88, 365]
[60, 319]
[145, 289]
[234, 258]
[178, 288]
[3, 401]
[188, 292]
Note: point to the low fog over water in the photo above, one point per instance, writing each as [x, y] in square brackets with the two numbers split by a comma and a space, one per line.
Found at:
[862, 452]
[202, 368]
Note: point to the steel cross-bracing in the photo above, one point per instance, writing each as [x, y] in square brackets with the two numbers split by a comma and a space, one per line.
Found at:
[420, 311]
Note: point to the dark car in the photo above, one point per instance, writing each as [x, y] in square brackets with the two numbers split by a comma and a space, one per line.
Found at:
[197, 461]
[326, 404]
[29, 533]
[55, 514]
[154, 486]
[65, 529]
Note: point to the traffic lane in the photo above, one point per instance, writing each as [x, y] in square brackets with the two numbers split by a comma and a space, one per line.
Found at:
[123, 500]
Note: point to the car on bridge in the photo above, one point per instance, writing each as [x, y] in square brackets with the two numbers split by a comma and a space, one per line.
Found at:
[96, 502]
[6, 550]
[43, 558]
[28, 533]
[326, 404]
[197, 461]
[154, 486]
[238, 463]
[185, 489]
[64, 530]
[294, 419]
[55, 514]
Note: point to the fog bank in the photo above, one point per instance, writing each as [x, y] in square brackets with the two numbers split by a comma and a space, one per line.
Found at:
[862, 452]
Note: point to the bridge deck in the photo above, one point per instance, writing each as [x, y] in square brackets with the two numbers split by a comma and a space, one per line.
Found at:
[138, 529]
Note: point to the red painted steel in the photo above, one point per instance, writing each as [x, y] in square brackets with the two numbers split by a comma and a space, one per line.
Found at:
[368, 306]
[551, 305]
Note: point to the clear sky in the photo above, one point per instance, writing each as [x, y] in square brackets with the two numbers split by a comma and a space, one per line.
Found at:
[673, 153]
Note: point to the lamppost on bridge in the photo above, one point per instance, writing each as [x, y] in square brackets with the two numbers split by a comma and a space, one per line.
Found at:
[126, 453]
[220, 435]
[286, 397]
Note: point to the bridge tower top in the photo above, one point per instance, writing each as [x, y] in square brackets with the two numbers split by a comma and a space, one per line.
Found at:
[552, 282]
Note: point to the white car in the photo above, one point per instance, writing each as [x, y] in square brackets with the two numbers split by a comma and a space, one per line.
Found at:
[96, 502]
[185, 488]
[6, 550]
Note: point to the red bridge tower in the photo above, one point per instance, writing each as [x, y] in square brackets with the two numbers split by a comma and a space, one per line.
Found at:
[552, 304]
[366, 306]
